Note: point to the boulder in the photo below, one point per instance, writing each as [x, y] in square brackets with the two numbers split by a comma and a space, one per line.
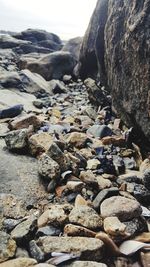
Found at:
[73, 46]
[54, 65]
[117, 44]
[7, 41]
[36, 35]
[88, 54]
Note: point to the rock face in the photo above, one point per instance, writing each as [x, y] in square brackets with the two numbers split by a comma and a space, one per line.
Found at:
[73, 46]
[121, 42]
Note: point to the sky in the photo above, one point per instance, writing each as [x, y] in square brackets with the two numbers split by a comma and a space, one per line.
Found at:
[66, 18]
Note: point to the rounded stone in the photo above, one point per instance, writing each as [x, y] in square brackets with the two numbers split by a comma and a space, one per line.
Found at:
[121, 207]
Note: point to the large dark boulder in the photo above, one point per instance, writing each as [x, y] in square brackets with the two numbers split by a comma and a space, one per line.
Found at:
[40, 38]
[88, 55]
[7, 41]
[117, 43]
[73, 46]
[127, 60]
[52, 66]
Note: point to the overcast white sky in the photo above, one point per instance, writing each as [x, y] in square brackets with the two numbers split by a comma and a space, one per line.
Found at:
[67, 18]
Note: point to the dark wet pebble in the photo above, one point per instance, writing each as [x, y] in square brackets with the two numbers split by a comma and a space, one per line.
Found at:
[11, 112]
[35, 251]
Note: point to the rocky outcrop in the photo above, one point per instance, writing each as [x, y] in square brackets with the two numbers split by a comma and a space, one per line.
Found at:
[31, 41]
[88, 57]
[117, 44]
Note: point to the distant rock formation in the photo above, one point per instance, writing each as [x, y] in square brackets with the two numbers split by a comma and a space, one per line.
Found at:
[117, 46]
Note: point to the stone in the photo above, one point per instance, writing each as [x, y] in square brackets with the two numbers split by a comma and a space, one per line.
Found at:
[17, 140]
[77, 139]
[80, 201]
[48, 168]
[96, 95]
[145, 165]
[23, 231]
[97, 49]
[103, 183]
[11, 112]
[146, 178]
[44, 265]
[25, 122]
[90, 248]
[75, 186]
[86, 153]
[8, 247]
[99, 131]
[8, 41]
[55, 216]
[121, 207]
[135, 226]
[85, 216]
[88, 178]
[39, 143]
[73, 46]
[57, 155]
[103, 194]
[93, 164]
[67, 79]
[35, 251]
[75, 230]
[114, 227]
[86, 264]
[53, 66]
[21, 253]
[57, 87]
[20, 262]
[145, 258]
[48, 231]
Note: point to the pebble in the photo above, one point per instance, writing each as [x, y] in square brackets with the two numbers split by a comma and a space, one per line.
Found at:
[85, 216]
[8, 247]
[99, 131]
[114, 227]
[17, 140]
[35, 251]
[75, 230]
[79, 140]
[48, 168]
[93, 164]
[20, 262]
[121, 207]
[25, 122]
[39, 143]
[55, 216]
[23, 231]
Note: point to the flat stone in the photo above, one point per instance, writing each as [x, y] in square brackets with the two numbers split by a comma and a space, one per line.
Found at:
[75, 230]
[121, 207]
[8, 247]
[55, 215]
[20, 262]
[114, 227]
[39, 143]
[48, 231]
[17, 140]
[85, 216]
[23, 231]
[25, 122]
[86, 264]
[90, 248]
[99, 131]
[78, 140]
[48, 168]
